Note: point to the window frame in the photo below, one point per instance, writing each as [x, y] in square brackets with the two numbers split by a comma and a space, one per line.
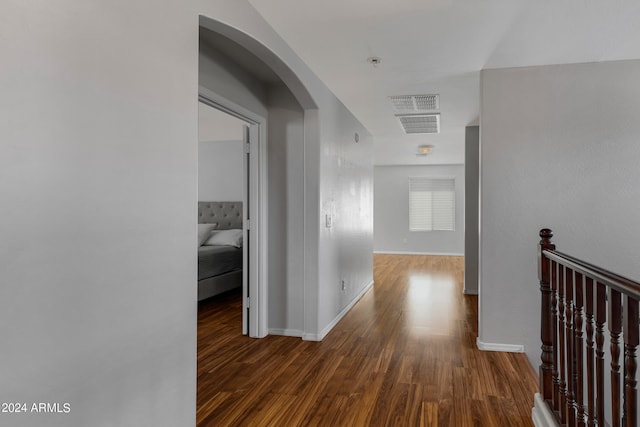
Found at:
[437, 217]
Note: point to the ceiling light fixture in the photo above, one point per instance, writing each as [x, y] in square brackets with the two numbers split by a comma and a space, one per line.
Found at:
[424, 150]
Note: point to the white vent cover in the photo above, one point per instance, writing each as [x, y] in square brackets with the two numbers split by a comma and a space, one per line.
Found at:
[415, 103]
[420, 123]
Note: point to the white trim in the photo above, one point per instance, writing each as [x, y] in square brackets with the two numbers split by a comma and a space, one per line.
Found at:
[311, 337]
[393, 165]
[229, 106]
[286, 332]
[480, 152]
[467, 291]
[490, 346]
[259, 186]
[541, 414]
[334, 322]
[311, 219]
[416, 253]
[261, 202]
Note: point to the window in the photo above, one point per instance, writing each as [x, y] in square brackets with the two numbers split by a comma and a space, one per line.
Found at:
[432, 204]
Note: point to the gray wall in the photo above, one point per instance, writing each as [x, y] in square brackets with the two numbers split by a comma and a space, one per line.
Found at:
[471, 209]
[559, 149]
[98, 180]
[286, 207]
[391, 212]
[229, 80]
[220, 169]
[346, 195]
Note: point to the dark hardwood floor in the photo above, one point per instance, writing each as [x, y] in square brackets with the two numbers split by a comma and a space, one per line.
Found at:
[405, 355]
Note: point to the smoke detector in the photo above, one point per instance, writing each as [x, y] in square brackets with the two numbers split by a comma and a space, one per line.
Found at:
[374, 60]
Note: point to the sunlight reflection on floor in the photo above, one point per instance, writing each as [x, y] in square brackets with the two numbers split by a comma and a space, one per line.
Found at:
[431, 305]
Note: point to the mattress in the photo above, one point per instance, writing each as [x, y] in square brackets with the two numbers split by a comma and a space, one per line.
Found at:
[217, 260]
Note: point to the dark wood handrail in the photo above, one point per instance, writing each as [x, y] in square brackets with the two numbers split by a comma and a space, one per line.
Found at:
[619, 283]
[583, 305]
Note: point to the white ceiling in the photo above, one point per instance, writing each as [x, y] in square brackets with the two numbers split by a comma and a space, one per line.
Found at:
[440, 46]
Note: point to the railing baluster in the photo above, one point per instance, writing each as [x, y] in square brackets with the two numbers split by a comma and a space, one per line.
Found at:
[571, 356]
[615, 327]
[591, 420]
[630, 346]
[578, 345]
[561, 345]
[554, 334]
[601, 313]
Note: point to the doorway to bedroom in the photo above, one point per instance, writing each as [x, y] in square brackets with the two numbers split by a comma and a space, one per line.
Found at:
[241, 76]
[220, 204]
[225, 193]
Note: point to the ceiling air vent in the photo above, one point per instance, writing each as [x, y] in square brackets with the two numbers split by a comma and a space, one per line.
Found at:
[420, 123]
[415, 103]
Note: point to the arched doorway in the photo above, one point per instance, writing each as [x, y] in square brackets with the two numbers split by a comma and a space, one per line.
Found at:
[242, 76]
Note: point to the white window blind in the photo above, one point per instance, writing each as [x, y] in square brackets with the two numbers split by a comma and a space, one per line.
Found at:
[432, 204]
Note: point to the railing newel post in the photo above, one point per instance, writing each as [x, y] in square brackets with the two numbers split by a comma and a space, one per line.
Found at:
[544, 276]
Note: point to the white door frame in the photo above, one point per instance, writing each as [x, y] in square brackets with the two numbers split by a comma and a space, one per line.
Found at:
[257, 280]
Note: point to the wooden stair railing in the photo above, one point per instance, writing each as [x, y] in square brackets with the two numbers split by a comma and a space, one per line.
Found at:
[578, 301]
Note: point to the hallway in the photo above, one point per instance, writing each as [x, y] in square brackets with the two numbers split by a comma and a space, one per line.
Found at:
[405, 355]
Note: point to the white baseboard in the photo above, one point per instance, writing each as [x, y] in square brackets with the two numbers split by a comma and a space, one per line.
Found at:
[490, 346]
[541, 414]
[286, 332]
[416, 253]
[311, 337]
[334, 322]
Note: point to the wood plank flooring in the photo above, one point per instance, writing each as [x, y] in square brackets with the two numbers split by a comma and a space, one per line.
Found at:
[405, 355]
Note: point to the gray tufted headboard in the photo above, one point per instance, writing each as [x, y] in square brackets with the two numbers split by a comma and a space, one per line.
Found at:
[228, 215]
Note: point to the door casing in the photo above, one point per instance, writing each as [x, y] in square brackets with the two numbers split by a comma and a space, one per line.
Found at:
[254, 214]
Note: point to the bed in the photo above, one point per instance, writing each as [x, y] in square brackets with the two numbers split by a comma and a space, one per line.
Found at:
[220, 254]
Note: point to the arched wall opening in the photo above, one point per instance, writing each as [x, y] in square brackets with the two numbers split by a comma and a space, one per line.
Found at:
[264, 54]
[242, 73]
